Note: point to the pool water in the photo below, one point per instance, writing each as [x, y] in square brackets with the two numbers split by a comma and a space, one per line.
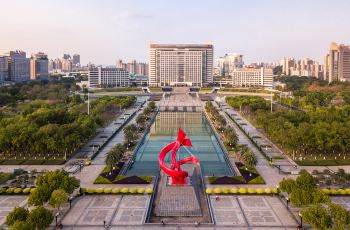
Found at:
[164, 130]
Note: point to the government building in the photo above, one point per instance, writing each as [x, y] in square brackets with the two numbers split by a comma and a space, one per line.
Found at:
[180, 64]
[108, 77]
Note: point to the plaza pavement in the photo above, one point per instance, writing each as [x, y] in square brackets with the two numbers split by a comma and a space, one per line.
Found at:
[7, 203]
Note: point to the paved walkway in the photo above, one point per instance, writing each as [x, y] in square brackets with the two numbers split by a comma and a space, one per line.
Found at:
[270, 174]
[251, 211]
[7, 203]
[113, 210]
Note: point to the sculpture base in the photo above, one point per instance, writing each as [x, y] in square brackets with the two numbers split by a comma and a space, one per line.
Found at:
[178, 201]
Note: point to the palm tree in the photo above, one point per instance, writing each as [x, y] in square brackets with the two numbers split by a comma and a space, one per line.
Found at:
[111, 161]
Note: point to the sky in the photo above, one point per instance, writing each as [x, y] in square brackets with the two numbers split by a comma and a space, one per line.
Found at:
[102, 31]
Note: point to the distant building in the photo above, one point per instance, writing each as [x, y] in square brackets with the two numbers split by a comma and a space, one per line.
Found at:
[76, 60]
[337, 63]
[108, 77]
[304, 67]
[248, 77]
[134, 67]
[4, 69]
[39, 66]
[229, 62]
[180, 64]
[138, 80]
[18, 66]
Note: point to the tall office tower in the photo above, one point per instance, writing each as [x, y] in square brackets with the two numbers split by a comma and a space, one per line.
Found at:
[67, 65]
[18, 66]
[180, 64]
[142, 69]
[39, 66]
[76, 59]
[51, 65]
[57, 64]
[121, 64]
[4, 68]
[132, 67]
[108, 77]
[287, 64]
[229, 62]
[337, 63]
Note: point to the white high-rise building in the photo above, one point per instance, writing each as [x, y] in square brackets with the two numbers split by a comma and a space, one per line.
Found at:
[229, 62]
[248, 77]
[180, 64]
[108, 77]
[4, 69]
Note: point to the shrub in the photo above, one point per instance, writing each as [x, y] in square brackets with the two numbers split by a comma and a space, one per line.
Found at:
[317, 216]
[217, 190]
[347, 191]
[10, 190]
[90, 191]
[257, 180]
[17, 190]
[242, 190]
[115, 190]
[149, 190]
[141, 190]
[132, 190]
[102, 180]
[26, 190]
[209, 191]
[287, 185]
[107, 190]
[124, 190]
[326, 191]
[341, 192]
[17, 214]
[268, 191]
[32, 190]
[2, 190]
[234, 190]
[334, 191]
[259, 191]
[251, 190]
[274, 190]
[225, 190]
[99, 190]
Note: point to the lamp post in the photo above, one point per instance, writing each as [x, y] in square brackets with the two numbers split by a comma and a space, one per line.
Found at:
[287, 199]
[56, 217]
[70, 202]
[301, 221]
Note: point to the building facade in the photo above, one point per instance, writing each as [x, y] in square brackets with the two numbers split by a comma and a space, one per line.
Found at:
[19, 67]
[248, 77]
[304, 67]
[337, 63]
[134, 67]
[180, 64]
[108, 77]
[229, 62]
[4, 69]
[39, 66]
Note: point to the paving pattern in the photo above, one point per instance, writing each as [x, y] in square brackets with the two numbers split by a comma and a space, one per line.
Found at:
[92, 211]
[7, 203]
[342, 200]
[251, 211]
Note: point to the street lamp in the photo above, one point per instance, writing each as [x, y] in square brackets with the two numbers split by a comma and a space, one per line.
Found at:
[301, 221]
[287, 199]
[56, 217]
[70, 202]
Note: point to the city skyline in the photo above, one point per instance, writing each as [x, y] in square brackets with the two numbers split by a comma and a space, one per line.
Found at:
[104, 31]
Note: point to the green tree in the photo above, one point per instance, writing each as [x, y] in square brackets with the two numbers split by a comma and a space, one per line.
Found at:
[22, 225]
[58, 197]
[17, 214]
[340, 216]
[40, 217]
[317, 216]
[287, 185]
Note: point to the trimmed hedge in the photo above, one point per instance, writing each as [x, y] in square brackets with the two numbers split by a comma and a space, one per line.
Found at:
[241, 191]
[15, 191]
[101, 191]
[334, 192]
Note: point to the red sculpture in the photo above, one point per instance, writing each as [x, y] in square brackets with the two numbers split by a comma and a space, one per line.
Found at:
[178, 176]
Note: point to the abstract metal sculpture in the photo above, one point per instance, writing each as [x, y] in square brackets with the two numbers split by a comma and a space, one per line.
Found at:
[178, 176]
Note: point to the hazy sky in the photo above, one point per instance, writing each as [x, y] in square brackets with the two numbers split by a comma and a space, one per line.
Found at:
[103, 31]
